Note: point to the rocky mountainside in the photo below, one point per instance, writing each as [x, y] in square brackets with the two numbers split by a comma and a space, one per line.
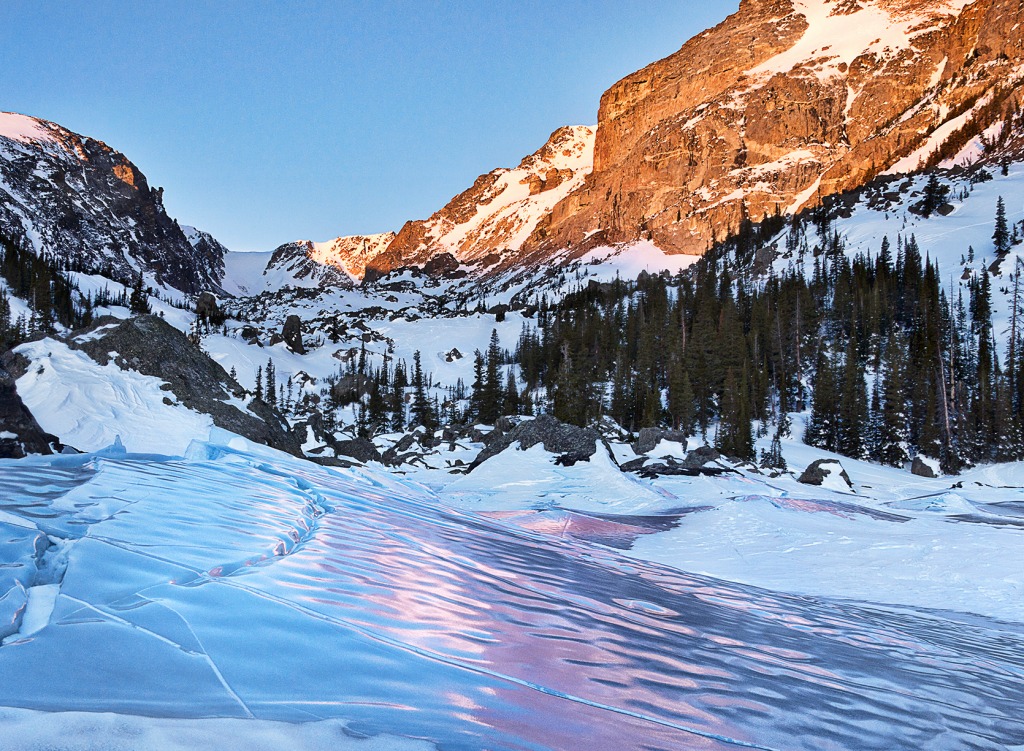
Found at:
[785, 102]
[483, 226]
[75, 198]
[339, 262]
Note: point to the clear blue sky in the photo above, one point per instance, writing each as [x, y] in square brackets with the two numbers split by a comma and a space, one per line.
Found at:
[272, 121]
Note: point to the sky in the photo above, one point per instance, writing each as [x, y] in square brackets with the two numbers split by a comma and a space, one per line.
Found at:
[267, 122]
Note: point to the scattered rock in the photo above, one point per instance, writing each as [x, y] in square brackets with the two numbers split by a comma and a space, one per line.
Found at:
[821, 470]
[453, 355]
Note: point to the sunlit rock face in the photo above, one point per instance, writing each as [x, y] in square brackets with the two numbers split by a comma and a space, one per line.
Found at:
[78, 200]
[785, 102]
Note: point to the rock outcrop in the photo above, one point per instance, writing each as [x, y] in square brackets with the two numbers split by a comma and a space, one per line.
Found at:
[20, 434]
[76, 199]
[557, 437]
[337, 263]
[783, 103]
[151, 346]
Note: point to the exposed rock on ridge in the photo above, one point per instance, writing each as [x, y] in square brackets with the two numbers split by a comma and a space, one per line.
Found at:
[500, 211]
[75, 198]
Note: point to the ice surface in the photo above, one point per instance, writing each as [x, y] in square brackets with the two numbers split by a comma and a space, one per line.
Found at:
[240, 583]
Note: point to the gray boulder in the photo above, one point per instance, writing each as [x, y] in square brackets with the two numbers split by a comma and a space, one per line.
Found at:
[553, 434]
[822, 469]
[921, 468]
[360, 449]
[701, 456]
[292, 334]
[207, 309]
[651, 437]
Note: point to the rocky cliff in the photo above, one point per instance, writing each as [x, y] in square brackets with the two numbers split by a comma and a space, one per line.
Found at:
[491, 220]
[336, 263]
[76, 199]
[783, 103]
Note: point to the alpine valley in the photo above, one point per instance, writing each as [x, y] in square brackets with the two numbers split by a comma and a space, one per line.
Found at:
[701, 428]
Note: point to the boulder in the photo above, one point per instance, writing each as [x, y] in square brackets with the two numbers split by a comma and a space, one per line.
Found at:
[20, 434]
[360, 449]
[701, 456]
[924, 467]
[291, 334]
[822, 470]
[207, 309]
[556, 437]
[651, 437]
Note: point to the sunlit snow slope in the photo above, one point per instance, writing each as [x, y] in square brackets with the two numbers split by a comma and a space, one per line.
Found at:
[240, 583]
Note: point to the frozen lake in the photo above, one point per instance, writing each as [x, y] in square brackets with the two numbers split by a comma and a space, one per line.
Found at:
[243, 584]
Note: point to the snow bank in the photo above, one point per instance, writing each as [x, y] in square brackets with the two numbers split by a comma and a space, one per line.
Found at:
[27, 730]
[88, 405]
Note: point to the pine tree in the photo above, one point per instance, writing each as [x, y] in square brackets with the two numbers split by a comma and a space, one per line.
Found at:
[271, 383]
[893, 436]
[1001, 235]
[853, 407]
[422, 409]
[822, 427]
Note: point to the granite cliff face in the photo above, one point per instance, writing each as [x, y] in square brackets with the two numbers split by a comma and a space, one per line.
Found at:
[76, 199]
[784, 102]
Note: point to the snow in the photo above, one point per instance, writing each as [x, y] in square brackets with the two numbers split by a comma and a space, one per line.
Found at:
[530, 479]
[511, 213]
[27, 730]
[834, 40]
[89, 405]
[627, 261]
[244, 273]
[22, 128]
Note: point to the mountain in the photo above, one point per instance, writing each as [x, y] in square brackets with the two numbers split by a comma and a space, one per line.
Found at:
[75, 199]
[494, 217]
[484, 225]
[783, 103]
